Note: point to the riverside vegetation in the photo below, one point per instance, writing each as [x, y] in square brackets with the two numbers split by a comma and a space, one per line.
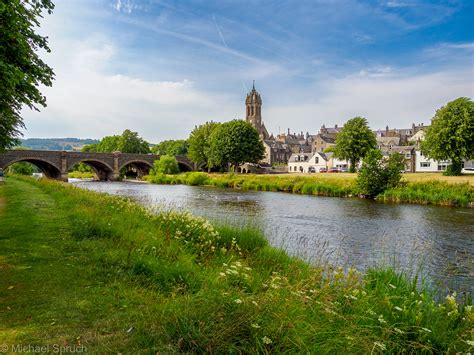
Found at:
[436, 192]
[83, 268]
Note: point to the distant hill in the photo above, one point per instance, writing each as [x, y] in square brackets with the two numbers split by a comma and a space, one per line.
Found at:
[68, 144]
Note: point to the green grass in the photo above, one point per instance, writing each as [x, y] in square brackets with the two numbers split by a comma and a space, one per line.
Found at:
[80, 267]
[437, 192]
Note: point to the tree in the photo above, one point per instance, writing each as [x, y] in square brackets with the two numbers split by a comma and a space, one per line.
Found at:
[171, 147]
[128, 142]
[199, 143]
[167, 164]
[451, 134]
[235, 142]
[21, 69]
[131, 142]
[354, 141]
[376, 174]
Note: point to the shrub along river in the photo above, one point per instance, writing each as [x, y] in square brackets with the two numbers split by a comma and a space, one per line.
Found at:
[342, 231]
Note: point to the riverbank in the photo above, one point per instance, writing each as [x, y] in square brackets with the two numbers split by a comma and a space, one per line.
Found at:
[436, 192]
[86, 269]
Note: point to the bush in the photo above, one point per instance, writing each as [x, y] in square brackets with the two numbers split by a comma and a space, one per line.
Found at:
[166, 165]
[453, 169]
[22, 168]
[377, 175]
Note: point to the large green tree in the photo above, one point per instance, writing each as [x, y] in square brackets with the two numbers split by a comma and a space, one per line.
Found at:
[354, 141]
[21, 69]
[234, 143]
[171, 147]
[199, 143]
[128, 142]
[451, 134]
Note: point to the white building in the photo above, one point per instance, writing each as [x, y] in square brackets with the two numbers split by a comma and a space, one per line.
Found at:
[304, 162]
[425, 165]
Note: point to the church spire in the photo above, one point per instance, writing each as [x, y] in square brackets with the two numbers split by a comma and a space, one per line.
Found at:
[253, 86]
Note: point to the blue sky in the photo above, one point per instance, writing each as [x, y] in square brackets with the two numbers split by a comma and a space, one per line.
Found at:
[162, 67]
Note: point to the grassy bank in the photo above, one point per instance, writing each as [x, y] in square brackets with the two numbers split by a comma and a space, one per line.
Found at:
[458, 192]
[82, 268]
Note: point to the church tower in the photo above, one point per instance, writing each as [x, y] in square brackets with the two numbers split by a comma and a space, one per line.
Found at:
[253, 106]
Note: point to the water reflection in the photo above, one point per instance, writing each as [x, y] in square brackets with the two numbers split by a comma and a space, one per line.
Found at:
[348, 232]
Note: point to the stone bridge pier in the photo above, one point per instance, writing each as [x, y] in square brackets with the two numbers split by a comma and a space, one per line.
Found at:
[107, 166]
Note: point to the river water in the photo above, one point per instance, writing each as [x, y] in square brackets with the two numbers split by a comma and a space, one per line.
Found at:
[343, 231]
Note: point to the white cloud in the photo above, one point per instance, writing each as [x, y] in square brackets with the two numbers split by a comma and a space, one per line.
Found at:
[87, 100]
[393, 100]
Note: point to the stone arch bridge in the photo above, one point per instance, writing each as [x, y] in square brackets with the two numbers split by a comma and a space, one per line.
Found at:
[107, 166]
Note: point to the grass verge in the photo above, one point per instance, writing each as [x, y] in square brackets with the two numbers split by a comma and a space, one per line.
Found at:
[434, 192]
[86, 269]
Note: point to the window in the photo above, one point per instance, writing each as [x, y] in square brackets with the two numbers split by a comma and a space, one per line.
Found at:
[425, 164]
[407, 155]
[442, 167]
[316, 160]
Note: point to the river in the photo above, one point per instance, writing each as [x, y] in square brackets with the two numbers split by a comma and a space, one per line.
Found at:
[343, 231]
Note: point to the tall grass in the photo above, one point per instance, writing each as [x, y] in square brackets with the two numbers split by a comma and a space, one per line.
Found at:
[431, 192]
[427, 192]
[163, 281]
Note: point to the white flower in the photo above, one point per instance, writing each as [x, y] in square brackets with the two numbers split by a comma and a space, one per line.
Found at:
[398, 308]
[238, 301]
[392, 286]
[469, 342]
[255, 325]
[266, 340]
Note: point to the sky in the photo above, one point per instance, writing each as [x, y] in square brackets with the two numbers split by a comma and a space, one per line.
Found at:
[161, 67]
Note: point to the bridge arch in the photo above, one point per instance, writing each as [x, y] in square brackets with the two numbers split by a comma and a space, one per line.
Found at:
[49, 169]
[141, 167]
[103, 171]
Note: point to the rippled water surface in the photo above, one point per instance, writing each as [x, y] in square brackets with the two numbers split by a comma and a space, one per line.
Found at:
[347, 232]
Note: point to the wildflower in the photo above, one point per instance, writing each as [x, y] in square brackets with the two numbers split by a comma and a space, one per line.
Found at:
[266, 340]
[426, 330]
[392, 286]
[398, 308]
[254, 303]
[381, 320]
[222, 274]
[238, 301]
[399, 331]
[469, 342]
[255, 325]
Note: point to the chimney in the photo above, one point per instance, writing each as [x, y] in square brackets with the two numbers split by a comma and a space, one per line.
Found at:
[288, 131]
[335, 126]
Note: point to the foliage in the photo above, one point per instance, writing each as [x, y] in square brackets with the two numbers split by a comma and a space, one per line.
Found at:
[82, 168]
[179, 284]
[234, 143]
[430, 192]
[354, 141]
[199, 142]
[451, 134]
[21, 69]
[128, 142]
[171, 147]
[377, 175]
[22, 168]
[167, 164]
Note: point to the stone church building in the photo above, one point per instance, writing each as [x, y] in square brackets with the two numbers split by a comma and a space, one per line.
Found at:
[277, 151]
